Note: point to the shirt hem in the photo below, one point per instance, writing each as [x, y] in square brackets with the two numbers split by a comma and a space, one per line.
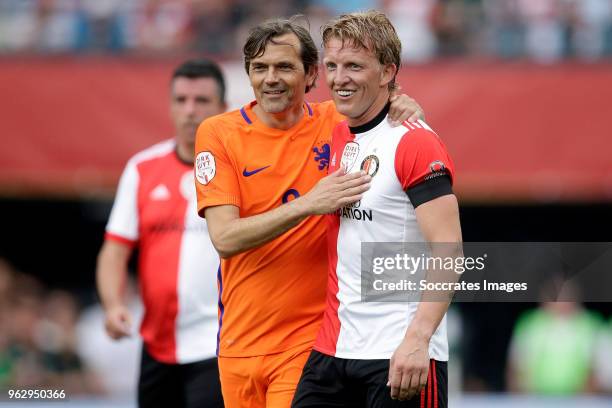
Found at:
[376, 356]
[324, 350]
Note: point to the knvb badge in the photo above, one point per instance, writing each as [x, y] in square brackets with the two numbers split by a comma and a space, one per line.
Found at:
[349, 156]
[205, 168]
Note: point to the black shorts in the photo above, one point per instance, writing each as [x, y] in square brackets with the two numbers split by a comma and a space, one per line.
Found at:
[179, 385]
[335, 382]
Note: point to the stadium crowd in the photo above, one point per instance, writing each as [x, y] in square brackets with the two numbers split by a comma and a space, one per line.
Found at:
[541, 30]
[38, 339]
[48, 341]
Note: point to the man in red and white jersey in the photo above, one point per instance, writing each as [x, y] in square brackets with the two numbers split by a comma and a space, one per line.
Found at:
[155, 210]
[372, 354]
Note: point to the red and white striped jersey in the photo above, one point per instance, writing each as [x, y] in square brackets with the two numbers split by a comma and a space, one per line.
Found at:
[397, 159]
[155, 209]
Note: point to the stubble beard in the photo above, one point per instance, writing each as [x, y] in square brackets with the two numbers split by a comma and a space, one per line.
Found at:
[275, 107]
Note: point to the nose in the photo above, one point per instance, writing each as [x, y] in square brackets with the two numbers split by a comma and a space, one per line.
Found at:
[340, 77]
[190, 105]
[271, 77]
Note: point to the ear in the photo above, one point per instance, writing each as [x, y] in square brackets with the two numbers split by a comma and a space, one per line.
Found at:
[171, 100]
[387, 74]
[311, 76]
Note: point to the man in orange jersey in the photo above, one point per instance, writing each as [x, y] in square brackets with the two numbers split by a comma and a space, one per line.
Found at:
[272, 151]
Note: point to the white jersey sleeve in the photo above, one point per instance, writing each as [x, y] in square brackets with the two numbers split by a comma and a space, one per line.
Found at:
[123, 220]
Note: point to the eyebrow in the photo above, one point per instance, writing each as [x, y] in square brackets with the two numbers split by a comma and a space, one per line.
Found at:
[276, 63]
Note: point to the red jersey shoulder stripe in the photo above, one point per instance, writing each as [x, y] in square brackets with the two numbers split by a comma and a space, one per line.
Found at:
[118, 238]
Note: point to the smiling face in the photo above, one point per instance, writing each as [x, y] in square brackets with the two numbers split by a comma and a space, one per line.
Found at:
[357, 80]
[278, 77]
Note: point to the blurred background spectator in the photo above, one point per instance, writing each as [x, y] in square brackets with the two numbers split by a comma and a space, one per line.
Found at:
[540, 30]
[41, 349]
[413, 20]
[590, 27]
[603, 362]
[553, 350]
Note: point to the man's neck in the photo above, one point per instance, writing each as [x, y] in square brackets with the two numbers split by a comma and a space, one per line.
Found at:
[366, 127]
[282, 120]
[185, 153]
[378, 105]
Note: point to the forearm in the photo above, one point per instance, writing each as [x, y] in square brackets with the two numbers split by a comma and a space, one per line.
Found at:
[439, 223]
[238, 235]
[435, 303]
[426, 320]
[111, 276]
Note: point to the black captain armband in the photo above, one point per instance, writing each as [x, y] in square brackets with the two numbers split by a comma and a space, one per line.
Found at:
[430, 189]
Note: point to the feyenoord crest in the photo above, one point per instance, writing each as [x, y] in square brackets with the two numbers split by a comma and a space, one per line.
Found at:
[349, 156]
[205, 168]
[370, 165]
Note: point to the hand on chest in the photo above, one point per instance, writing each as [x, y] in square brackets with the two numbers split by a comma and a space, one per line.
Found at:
[276, 173]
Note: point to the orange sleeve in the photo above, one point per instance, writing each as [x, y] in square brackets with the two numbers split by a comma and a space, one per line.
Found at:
[330, 109]
[215, 175]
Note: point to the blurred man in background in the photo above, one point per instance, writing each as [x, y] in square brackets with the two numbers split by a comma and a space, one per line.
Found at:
[155, 210]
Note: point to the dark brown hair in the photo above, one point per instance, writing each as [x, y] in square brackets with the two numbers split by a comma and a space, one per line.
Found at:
[264, 33]
[202, 68]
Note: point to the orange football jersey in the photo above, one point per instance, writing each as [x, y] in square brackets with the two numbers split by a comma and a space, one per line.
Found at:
[271, 298]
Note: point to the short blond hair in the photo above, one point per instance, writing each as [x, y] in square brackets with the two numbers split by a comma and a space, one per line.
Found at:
[371, 30]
